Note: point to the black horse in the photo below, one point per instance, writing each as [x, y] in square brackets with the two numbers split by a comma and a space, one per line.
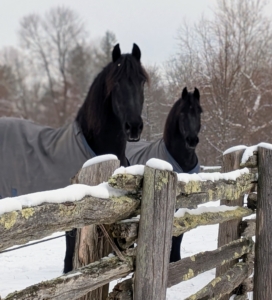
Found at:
[46, 158]
[178, 145]
[111, 115]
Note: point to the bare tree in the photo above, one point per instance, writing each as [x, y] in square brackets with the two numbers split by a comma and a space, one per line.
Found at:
[6, 91]
[156, 106]
[48, 43]
[19, 95]
[226, 57]
[102, 53]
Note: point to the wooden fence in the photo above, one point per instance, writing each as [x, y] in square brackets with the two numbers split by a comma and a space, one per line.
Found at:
[155, 195]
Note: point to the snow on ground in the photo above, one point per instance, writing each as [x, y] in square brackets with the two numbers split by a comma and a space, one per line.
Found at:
[27, 266]
[24, 267]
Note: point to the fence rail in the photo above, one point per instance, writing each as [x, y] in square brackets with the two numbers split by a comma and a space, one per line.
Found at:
[158, 193]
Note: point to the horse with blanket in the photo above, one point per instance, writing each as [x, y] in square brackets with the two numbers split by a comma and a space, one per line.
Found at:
[37, 158]
[177, 146]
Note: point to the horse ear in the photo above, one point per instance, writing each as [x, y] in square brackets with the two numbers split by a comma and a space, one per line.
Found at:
[184, 93]
[136, 52]
[196, 93]
[116, 53]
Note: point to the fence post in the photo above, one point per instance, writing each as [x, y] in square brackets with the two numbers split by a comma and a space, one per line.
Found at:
[229, 231]
[155, 232]
[91, 245]
[263, 252]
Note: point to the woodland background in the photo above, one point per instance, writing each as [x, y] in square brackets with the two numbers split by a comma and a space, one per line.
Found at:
[228, 57]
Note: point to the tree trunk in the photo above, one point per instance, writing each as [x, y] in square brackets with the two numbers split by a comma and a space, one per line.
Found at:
[155, 232]
[263, 258]
[91, 245]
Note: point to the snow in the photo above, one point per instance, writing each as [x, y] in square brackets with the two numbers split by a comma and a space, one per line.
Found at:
[248, 150]
[71, 275]
[132, 170]
[206, 168]
[203, 209]
[99, 159]
[139, 169]
[70, 193]
[159, 164]
[133, 219]
[233, 175]
[235, 148]
[7, 205]
[40, 262]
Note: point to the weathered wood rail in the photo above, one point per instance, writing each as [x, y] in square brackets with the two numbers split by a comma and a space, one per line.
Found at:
[52, 217]
[43, 220]
[147, 195]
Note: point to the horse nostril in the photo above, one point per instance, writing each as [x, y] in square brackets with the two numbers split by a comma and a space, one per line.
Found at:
[192, 141]
[188, 140]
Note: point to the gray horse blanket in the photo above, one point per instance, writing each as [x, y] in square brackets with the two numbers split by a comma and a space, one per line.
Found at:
[36, 158]
[140, 152]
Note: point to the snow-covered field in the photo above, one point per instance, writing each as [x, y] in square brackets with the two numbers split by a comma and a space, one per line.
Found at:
[26, 266]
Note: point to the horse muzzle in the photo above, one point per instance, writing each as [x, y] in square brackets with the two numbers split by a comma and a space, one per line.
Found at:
[191, 142]
[133, 131]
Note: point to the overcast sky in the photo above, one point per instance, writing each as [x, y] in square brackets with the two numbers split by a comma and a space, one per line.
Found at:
[152, 24]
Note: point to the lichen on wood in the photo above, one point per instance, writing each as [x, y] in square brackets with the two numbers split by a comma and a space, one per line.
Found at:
[8, 220]
[122, 290]
[190, 267]
[248, 228]
[252, 161]
[188, 222]
[128, 230]
[197, 192]
[127, 182]
[43, 220]
[225, 283]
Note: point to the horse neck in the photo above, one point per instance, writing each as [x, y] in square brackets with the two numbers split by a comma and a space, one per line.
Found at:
[109, 138]
[175, 144]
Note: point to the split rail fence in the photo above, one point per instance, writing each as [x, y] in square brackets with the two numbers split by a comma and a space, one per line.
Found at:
[155, 196]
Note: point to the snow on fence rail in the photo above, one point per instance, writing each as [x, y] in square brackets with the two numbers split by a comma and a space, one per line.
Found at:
[158, 192]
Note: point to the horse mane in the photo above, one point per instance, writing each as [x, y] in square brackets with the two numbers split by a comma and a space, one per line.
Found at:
[172, 117]
[92, 112]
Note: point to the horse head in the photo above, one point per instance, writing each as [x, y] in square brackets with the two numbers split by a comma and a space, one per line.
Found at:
[126, 88]
[189, 122]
